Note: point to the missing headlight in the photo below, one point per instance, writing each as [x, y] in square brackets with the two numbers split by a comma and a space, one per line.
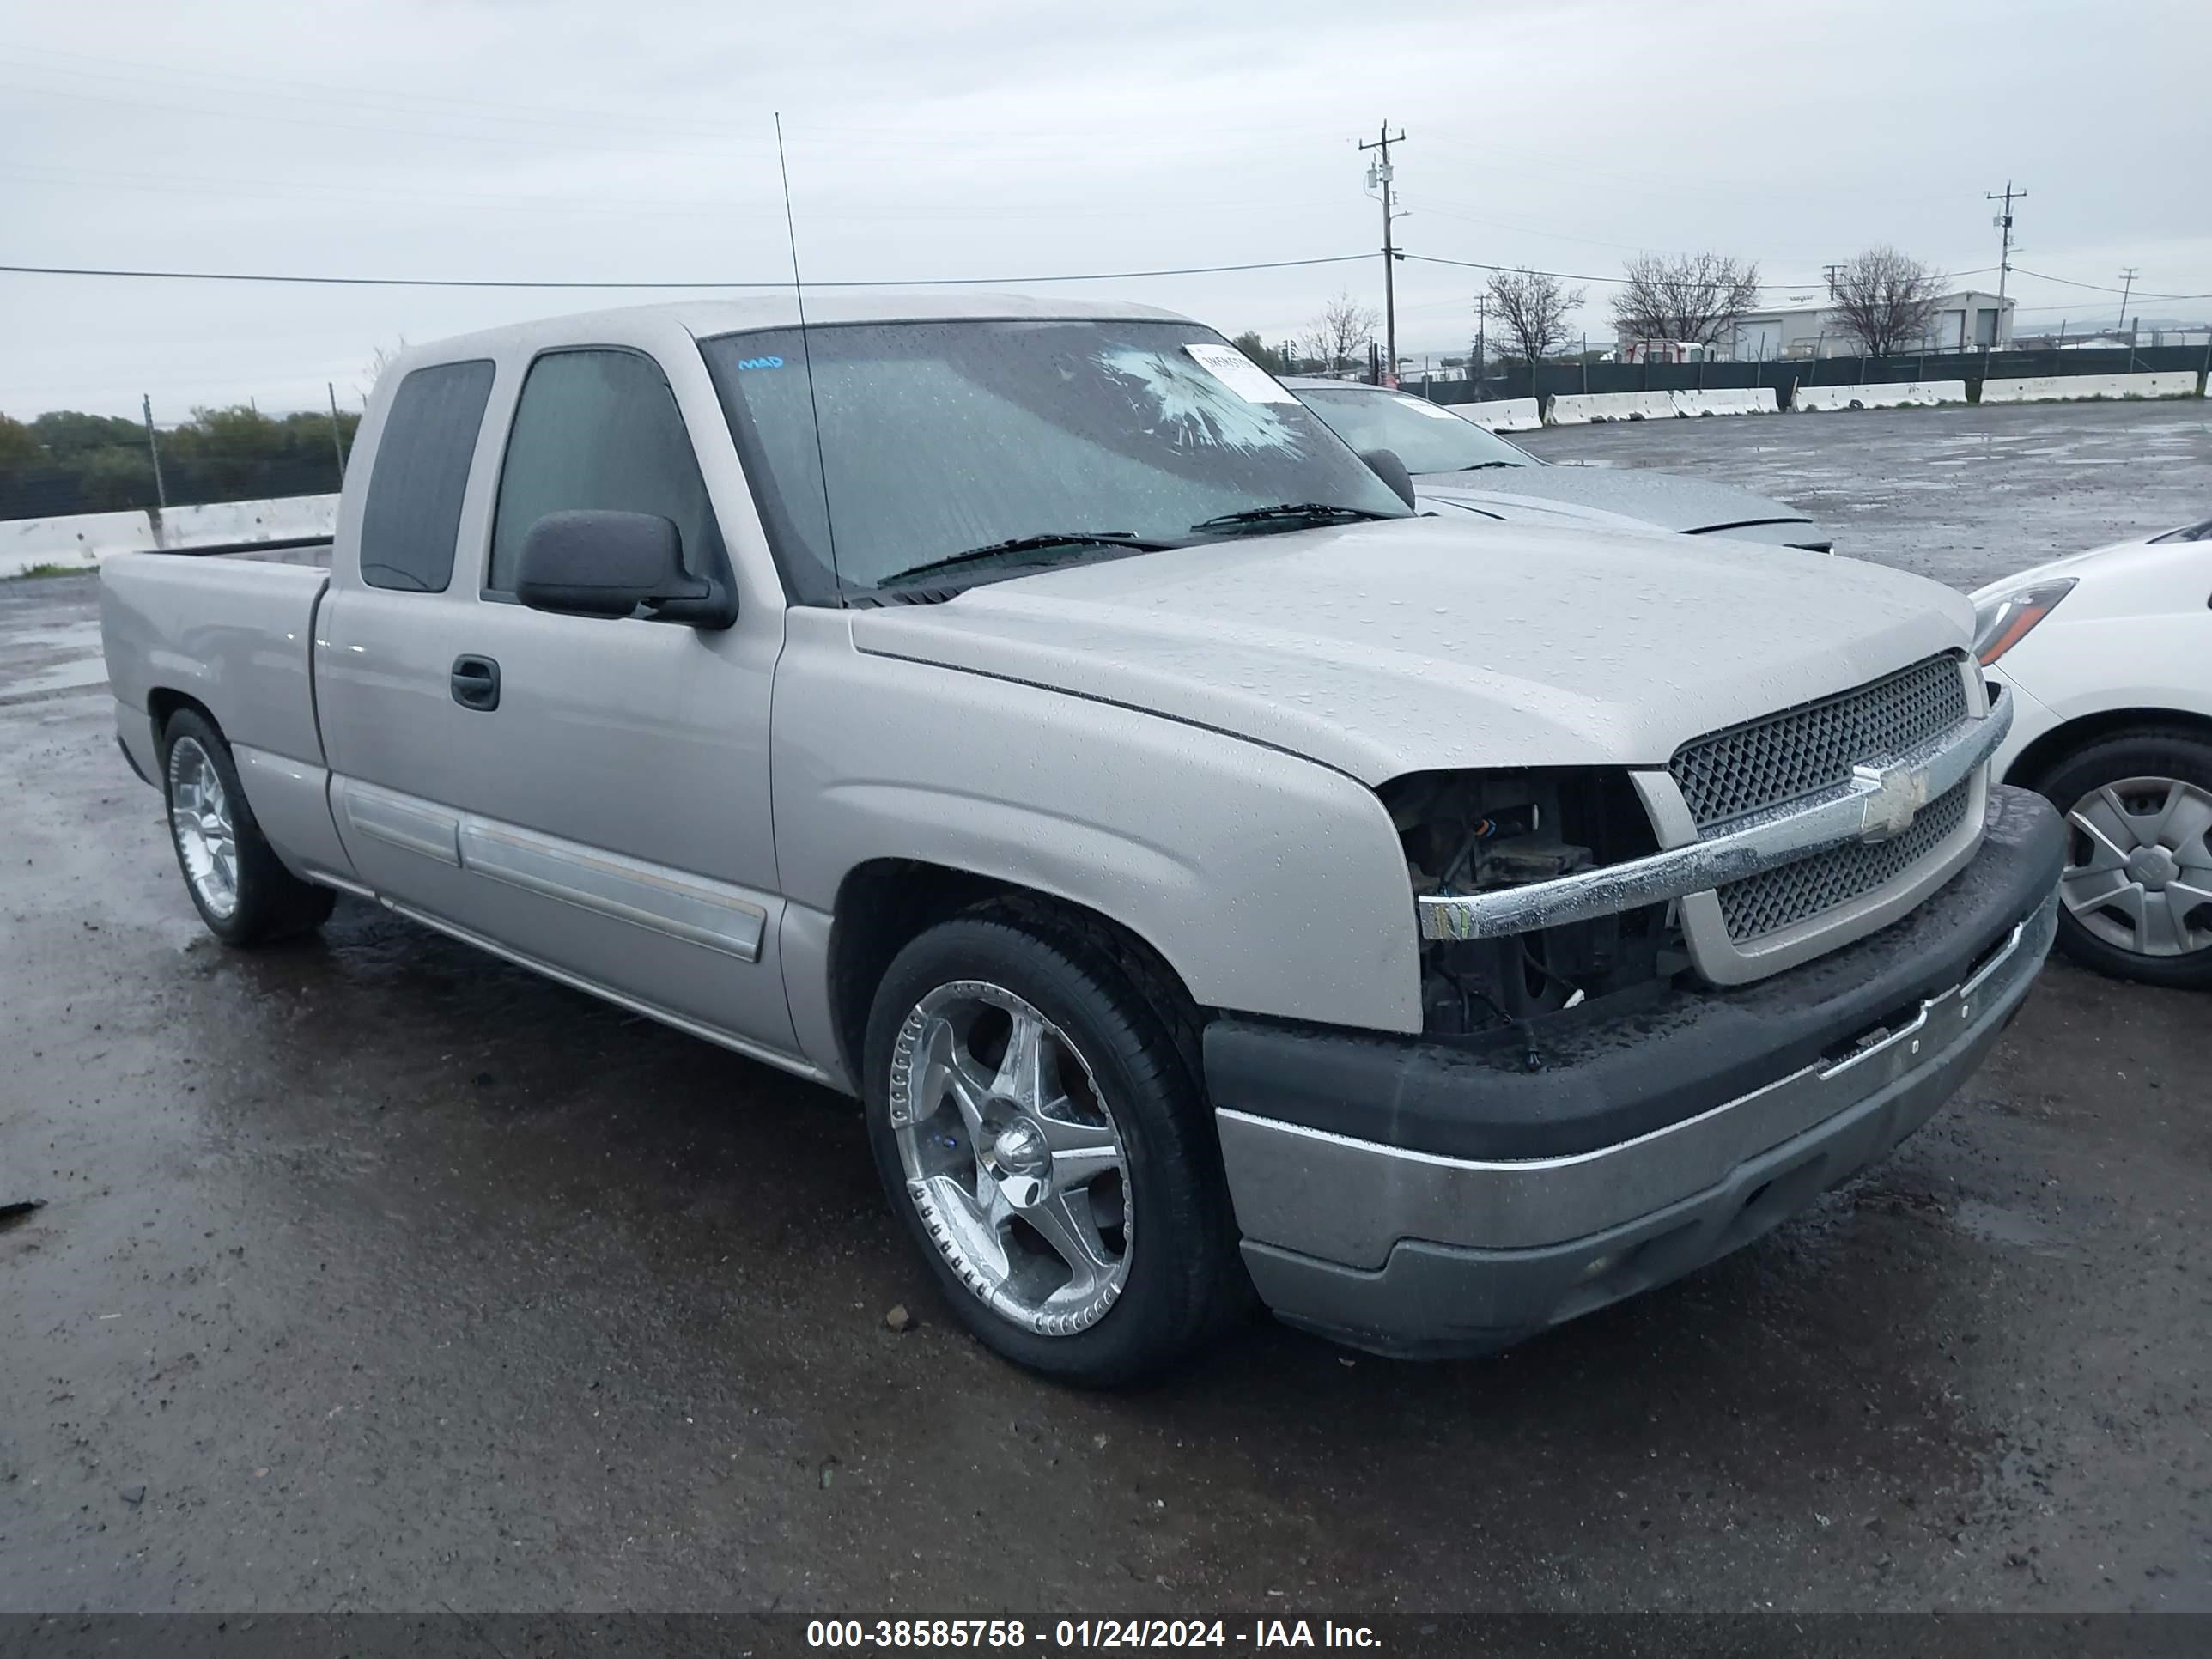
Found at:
[1472, 832]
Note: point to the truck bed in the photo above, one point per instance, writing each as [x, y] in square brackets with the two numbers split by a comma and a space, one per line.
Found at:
[233, 634]
[316, 552]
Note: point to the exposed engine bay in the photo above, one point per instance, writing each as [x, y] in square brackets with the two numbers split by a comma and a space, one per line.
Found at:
[1472, 832]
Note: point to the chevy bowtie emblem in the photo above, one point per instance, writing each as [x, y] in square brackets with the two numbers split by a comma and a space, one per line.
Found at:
[1897, 795]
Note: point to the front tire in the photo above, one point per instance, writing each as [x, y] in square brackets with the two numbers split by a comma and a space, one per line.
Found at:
[1047, 1147]
[240, 886]
[2136, 898]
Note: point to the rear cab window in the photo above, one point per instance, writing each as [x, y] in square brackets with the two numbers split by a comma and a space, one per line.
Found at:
[418, 475]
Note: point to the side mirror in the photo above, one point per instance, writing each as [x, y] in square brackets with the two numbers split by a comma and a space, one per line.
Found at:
[596, 563]
[1386, 465]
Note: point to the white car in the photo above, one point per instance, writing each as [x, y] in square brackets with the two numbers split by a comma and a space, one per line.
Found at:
[2107, 657]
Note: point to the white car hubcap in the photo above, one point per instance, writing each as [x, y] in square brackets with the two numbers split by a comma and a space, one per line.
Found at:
[2139, 870]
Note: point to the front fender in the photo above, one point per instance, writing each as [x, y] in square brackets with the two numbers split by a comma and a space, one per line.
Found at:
[1270, 883]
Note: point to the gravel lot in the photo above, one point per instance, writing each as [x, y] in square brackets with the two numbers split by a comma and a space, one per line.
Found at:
[375, 1275]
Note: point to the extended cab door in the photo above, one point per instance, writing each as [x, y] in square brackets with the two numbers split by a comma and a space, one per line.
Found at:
[590, 794]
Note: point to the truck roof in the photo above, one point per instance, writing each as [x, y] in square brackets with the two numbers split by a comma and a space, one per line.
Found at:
[779, 309]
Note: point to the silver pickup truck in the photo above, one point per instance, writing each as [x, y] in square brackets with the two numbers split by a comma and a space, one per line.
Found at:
[1213, 877]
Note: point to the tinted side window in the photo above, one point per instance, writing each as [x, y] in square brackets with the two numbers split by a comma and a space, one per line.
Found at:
[418, 475]
[599, 429]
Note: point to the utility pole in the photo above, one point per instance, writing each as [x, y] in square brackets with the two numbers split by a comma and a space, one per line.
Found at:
[1379, 173]
[1832, 270]
[2003, 222]
[2128, 282]
[338, 433]
[1481, 336]
[153, 448]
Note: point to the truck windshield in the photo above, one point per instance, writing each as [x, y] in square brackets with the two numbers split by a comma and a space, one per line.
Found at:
[997, 438]
[1426, 436]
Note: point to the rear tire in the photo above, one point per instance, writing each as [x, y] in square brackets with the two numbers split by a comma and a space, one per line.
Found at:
[1071, 1210]
[239, 885]
[2136, 899]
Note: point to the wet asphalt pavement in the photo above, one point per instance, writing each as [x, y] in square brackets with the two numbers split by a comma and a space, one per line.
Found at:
[374, 1275]
[1962, 495]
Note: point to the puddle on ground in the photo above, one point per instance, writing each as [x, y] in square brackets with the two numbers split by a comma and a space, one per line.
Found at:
[2012, 1229]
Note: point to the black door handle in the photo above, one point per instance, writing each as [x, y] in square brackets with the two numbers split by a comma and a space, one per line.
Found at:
[476, 682]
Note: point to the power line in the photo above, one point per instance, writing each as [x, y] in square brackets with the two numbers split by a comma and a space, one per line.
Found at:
[1584, 276]
[2086, 308]
[481, 282]
[1427, 204]
[318, 281]
[1487, 150]
[1811, 282]
[2100, 288]
[1563, 276]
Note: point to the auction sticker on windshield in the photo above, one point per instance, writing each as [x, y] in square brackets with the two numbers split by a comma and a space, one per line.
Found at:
[1239, 374]
[1428, 409]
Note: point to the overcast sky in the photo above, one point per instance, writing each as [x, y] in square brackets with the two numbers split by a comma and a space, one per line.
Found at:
[583, 140]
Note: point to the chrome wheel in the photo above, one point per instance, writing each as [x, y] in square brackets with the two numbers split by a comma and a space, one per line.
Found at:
[199, 818]
[2139, 870]
[1012, 1157]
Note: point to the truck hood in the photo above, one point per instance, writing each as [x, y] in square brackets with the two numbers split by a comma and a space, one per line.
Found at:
[1413, 644]
[1671, 502]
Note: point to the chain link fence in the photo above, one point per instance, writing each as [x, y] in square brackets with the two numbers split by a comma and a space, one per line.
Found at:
[66, 463]
[118, 480]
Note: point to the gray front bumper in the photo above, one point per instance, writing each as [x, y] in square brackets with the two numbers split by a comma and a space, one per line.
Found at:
[1405, 1252]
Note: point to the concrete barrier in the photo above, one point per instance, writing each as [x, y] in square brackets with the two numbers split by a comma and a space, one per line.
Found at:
[1581, 408]
[86, 538]
[2054, 388]
[1882, 394]
[1500, 414]
[1726, 400]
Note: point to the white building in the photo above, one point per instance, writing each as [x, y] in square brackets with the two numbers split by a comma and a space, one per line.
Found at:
[1968, 320]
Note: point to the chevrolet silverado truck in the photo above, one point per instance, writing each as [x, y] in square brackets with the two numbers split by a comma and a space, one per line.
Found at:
[1215, 879]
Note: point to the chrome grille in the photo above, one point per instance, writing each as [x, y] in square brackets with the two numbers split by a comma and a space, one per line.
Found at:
[1801, 751]
[1775, 899]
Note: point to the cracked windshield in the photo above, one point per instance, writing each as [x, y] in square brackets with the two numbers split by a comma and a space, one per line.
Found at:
[943, 442]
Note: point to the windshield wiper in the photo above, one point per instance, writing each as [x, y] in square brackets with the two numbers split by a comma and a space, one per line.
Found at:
[1290, 513]
[1029, 544]
[1480, 465]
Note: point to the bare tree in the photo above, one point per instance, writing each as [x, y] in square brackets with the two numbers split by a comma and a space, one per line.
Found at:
[1696, 298]
[1886, 300]
[1342, 330]
[1533, 307]
[380, 359]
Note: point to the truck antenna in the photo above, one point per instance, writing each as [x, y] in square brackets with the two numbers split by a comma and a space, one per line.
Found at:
[807, 355]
